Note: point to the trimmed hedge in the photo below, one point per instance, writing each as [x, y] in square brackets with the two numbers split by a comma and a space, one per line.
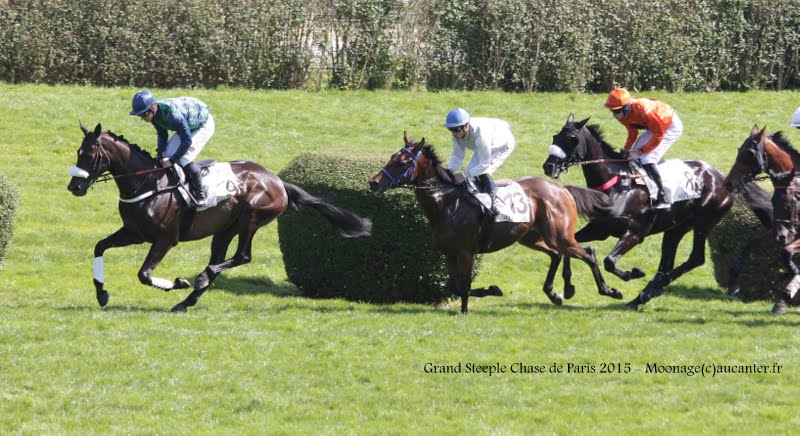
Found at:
[397, 263]
[764, 276]
[9, 202]
[513, 45]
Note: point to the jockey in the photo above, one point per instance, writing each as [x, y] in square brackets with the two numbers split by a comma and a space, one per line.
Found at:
[491, 142]
[663, 127]
[193, 125]
[796, 118]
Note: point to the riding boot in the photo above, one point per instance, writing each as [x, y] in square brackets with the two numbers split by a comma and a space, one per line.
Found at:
[661, 200]
[196, 182]
[489, 188]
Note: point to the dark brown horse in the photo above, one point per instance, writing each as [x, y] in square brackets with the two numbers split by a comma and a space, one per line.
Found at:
[457, 225]
[153, 211]
[579, 144]
[774, 156]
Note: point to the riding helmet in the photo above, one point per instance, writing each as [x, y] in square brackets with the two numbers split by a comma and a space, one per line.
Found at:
[456, 117]
[617, 98]
[796, 118]
[142, 101]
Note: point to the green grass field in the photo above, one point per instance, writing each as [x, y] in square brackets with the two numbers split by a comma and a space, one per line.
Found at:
[254, 357]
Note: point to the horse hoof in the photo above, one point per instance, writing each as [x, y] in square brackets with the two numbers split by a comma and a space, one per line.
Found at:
[179, 308]
[779, 308]
[633, 305]
[495, 290]
[615, 294]
[556, 299]
[569, 291]
[636, 273]
[102, 298]
[733, 291]
[182, 283]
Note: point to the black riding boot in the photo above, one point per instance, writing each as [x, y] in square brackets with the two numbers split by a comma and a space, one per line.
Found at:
[489, 188]
[661, 200]
[195, 181]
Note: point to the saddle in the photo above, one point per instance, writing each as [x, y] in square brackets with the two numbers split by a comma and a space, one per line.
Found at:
[218, 180]
[679, 180]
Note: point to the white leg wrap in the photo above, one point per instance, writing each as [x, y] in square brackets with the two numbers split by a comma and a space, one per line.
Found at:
[793, 285]
[161, 283]
[99, 274]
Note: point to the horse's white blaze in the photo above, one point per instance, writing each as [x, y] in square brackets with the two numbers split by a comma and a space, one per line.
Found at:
[161, 283]
[556, 151]
[99, 274]
[77, 172]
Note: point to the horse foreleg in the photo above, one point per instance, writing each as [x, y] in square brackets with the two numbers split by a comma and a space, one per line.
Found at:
[120, 238]
[586, 254]
[632, 237]
[763, 240]
[158, 250]
[788, 253]
[566, 274]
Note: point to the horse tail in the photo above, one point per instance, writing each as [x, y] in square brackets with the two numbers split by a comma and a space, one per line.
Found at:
[349, 224]
[591, 204]
[759, 201]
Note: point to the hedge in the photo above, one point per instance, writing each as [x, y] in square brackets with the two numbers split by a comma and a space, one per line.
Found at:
[9, 202]
[764, 275]
[513, 45]
[397, 263]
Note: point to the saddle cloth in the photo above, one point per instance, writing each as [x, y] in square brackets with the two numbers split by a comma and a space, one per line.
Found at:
[219, 182]
[679, 180]
[511, 202]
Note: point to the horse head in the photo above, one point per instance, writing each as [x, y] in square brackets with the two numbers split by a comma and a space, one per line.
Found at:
[92, 162]
[751, 160]
[401, 169]
[568, 148]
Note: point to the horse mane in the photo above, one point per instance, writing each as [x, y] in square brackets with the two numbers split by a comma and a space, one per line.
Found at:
[443, 174]
[785, 145]
[134, 147]
[608, 149]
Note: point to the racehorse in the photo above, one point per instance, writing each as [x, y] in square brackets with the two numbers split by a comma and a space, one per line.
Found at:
[579, 144]
[457, 225]
[153, 211]
[774, 156]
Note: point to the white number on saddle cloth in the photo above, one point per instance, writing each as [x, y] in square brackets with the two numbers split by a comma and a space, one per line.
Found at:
[220, 184]
[679, 180]
[511, 202]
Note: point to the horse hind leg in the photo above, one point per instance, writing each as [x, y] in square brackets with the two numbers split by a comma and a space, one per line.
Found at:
[218, 263]
[158, 250]
[782, 305]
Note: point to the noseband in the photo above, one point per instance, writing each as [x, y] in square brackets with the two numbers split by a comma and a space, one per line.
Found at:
[395, 181]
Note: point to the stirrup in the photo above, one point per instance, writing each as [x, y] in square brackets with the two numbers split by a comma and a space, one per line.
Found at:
[662, 204]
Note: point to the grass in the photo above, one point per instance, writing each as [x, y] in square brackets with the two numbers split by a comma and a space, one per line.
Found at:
[254, 357]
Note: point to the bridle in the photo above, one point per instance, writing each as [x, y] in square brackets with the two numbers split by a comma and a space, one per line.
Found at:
[412, 167]
[577, 156]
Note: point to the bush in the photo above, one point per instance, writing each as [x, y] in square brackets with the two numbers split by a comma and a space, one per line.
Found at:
[397, 263]
[764, 276]
[9, 201]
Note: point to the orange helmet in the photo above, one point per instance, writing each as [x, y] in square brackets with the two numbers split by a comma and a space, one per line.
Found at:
[617, 98]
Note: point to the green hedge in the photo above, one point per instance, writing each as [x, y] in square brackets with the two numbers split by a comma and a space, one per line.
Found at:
[764, 276]
[397, 263]
[514, 45]
[9, 201]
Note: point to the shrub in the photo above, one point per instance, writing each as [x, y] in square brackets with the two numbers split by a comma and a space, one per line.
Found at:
[397, 263]
[9, 201]
[764, 276]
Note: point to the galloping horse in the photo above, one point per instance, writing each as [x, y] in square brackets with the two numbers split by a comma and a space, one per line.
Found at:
[776, 157]
[457, 225]
[153, 211]
[579, 144]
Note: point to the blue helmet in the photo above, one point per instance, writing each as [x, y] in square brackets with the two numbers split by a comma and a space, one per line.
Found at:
[456, 117]
[142, 101]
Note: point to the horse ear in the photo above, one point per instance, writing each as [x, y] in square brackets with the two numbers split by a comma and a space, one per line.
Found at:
[754, 130]
[583, 123]
[421, 143]
[98, 130]
[571, 118]
[405, 138]
[761, 134]
[83, 128]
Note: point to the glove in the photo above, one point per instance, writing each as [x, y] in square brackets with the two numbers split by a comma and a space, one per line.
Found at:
[633, 155]
[165, 162]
